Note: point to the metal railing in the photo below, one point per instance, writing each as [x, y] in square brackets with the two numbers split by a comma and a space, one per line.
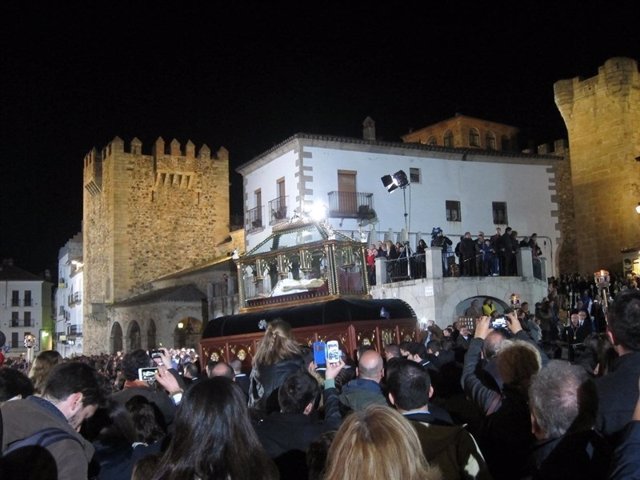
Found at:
[253, 219]
[351, 205]
[278, 210]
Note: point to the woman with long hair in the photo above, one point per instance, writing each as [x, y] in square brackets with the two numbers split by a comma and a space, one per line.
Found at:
[278, 356]
[213, 437]
[41, 367]
[377, 443]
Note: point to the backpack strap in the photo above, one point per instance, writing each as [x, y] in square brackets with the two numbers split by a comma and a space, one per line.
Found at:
[42, 438]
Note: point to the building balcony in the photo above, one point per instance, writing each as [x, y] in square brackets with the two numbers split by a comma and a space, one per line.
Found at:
[19, 323]
[74, 298]
[254, 220]
[278, 209]
[351, 205]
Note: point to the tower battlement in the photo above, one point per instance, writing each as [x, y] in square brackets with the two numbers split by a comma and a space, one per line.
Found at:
[602, 115]
[149, 215]
[159, 150]
[618, 77]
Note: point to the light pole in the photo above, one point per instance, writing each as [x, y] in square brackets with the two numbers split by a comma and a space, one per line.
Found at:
[392, 182]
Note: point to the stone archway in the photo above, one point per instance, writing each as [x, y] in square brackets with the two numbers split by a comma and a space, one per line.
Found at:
[187, 333]
[116, 338]
[134, 336]
[464, 293]
[464, 304]
[151, 335]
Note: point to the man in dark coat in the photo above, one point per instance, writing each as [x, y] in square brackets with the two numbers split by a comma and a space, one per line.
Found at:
[451, 448]
[287, 434]
[468, 255]
[618, 389]
[563, 403]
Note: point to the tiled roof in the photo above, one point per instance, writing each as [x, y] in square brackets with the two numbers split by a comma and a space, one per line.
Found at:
[11, 272]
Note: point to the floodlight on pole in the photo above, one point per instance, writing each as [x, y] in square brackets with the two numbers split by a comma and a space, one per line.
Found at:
[391, 183]
[397, 180]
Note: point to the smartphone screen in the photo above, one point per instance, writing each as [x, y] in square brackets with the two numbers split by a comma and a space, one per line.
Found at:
[333, 351]
[319, 354]
[147, 374]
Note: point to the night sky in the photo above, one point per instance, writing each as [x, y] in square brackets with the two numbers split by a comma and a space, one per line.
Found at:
[248, 75]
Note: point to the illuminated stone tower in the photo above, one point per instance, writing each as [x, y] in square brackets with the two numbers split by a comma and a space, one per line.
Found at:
[602, 115]
[145, 216]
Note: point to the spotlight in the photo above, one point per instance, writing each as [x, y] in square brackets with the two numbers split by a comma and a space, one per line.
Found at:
[387, 181]
[397, 180]
[400, 179]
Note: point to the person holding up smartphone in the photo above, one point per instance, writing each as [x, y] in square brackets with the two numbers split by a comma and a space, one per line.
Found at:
[131, 365]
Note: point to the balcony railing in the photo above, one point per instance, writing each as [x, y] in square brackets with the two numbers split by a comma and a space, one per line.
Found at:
[278, 210]
[26, 302]
[351, 205]
[22, 322]
[253, 219]
[74, 298]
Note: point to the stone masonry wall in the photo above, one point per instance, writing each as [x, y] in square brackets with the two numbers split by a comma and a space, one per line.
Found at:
[145, 216]
[567, 251]
[602, 115]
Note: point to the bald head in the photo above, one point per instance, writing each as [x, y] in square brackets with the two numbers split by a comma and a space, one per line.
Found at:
[221, 369]
[370, 366]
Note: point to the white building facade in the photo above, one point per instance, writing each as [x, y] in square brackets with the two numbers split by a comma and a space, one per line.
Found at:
[25, 311]
[458, 190]
[68, 299]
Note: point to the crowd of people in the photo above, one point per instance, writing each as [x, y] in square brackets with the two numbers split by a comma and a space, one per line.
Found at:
[483, 400]
[480, 256]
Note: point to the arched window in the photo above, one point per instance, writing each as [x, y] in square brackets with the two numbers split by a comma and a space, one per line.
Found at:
[490, 141]
[432, 141]
[474, 137]
[134, 336]
[151, 335]
[506, 143]
[448, 138]
[116, 338]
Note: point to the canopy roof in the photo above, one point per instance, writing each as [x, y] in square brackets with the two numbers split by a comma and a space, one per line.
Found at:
[297, 235]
